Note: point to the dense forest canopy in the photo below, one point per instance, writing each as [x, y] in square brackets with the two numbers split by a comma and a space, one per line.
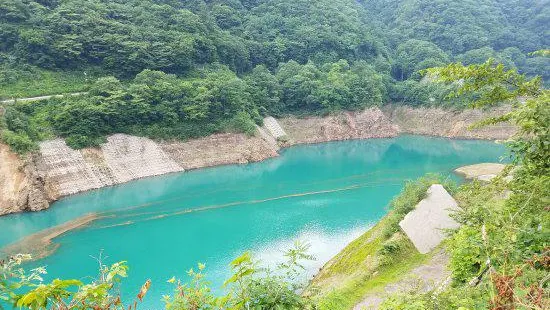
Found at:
[126, 37]
[227, 61]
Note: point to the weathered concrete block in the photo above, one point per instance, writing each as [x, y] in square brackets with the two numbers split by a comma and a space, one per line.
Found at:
[425, 225]
[273, 127]
[483, 172]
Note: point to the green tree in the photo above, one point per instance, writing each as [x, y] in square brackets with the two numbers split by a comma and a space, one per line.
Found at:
[265, 90]
[415, 55]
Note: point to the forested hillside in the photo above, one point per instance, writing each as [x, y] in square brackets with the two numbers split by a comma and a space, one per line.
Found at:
[221, 65]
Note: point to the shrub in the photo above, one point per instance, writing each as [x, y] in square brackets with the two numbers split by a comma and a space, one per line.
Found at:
[391, 248]
[242, 122]
[18, 142]
[273, 293]
[81, 141]
[464, 299]
[249, 287]
[466, 252]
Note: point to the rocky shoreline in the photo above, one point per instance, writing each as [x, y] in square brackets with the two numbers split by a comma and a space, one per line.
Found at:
[57, 171]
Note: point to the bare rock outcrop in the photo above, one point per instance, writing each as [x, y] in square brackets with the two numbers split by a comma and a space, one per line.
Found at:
[12, 180]
[22, 188]
[369, 123]
[448, 123]
[484, 172]
[34, 197]
[219, 149]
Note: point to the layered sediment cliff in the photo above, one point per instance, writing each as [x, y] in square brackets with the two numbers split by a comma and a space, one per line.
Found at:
[56, 170]
[219, 149]
[447, 123]
[367, 124]
[22, 188]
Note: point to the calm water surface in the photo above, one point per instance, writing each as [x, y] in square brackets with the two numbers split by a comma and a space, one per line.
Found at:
[326, 194]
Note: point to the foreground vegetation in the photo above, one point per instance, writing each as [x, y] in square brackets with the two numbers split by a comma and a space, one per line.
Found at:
[500, 256]
[249, 287]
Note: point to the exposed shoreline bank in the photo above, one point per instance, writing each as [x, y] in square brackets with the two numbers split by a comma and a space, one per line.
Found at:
[57, 171]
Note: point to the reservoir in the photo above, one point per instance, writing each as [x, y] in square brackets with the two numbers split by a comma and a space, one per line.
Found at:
[323, 194]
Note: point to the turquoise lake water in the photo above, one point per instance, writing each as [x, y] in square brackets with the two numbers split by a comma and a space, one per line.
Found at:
[325, 194]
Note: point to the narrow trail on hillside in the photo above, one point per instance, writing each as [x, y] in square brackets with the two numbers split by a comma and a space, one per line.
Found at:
[38, 98]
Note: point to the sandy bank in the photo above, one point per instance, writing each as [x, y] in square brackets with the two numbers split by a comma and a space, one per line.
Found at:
[40, 245]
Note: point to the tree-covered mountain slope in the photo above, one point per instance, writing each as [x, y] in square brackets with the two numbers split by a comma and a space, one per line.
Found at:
[126, 37]
[179, 69]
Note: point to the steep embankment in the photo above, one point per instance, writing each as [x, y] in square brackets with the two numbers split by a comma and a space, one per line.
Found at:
[57, 170]
[446, 123]
[367, 124]
[21, 188]
[12, 181]
[402, 252]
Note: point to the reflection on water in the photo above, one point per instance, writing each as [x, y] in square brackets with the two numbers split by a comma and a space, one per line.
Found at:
[322, 245]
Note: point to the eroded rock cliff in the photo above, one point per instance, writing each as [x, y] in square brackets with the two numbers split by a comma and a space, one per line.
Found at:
[57, 170]
[448, 123]
[219, 149]
[370, 123]
[22, 188]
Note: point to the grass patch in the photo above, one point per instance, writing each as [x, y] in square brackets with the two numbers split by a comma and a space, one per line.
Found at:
[353, 291]
[362, 268]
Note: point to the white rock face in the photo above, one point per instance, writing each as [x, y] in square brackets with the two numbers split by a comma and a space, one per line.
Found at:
[130, 157]
[425, 225]
[72, 174]
[121, 159]
[124, 158]
[268, 138]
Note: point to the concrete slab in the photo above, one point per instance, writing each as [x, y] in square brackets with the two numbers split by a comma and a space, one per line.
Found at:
[273, 127]
[425, 225]
[483, 172]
